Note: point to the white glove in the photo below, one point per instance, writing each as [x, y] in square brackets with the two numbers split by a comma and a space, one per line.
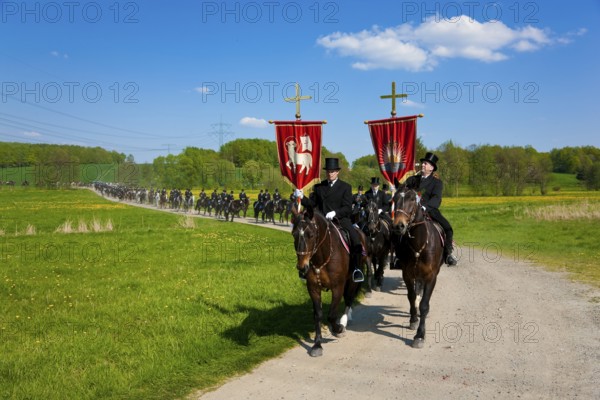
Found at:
[299, 193]
[424, 209]
[330, 215]
[379, 211]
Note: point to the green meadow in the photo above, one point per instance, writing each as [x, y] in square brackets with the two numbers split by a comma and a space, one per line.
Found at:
[149, 305]
[104, 300]
[558, 230]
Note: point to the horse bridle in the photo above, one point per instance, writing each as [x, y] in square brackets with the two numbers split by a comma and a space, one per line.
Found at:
[413, 215]
[377, 225]
[301, 237]
[411, 224]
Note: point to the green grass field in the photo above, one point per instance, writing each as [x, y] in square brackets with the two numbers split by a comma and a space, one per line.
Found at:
[149, 310]
[558, 231]
[151, 306]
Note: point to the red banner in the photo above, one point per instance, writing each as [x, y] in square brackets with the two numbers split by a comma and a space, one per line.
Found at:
[299, 151]
[394, 144]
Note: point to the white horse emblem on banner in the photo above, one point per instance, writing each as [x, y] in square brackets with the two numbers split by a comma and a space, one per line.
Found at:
[303, 157]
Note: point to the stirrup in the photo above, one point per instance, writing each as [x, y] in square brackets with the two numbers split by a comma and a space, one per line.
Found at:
[357, 276]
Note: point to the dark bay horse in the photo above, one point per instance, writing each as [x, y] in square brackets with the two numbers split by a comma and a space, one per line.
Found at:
[259, 207]
[235, 207]
[379, 240]
[268, 212]
[288, 211]
[419, 252]
[280, 207]
[244, 206]
[325, 264]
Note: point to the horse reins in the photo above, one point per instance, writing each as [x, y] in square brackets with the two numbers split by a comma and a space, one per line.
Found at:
[411, 224]
[316, 248]
[411, 217]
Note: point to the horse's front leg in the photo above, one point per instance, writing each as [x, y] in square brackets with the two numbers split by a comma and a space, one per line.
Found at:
[419, 339]
[379, 274]
[336, 297]
[317, 348]
[412, 298]
[370, 274]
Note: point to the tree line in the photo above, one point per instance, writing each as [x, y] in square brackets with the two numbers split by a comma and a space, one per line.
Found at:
[483, 170]
[14, 154]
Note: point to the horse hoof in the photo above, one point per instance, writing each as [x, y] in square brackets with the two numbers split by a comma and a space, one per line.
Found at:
[413, 325]
[418, 343]
[378, 288]
[368, 295]
[341, 333]
[316, 352]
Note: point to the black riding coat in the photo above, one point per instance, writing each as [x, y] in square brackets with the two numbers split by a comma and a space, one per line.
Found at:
[431, 189]
[337, 198]
[380, 199]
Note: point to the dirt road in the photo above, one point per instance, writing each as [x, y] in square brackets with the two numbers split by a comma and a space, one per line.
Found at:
[499, 328]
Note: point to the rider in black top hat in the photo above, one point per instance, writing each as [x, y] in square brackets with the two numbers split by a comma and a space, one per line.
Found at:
[430, 188]
[380, 198]
[333, 197]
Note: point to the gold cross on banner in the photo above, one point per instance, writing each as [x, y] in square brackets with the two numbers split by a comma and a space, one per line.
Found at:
[394, 96]
[297, 99]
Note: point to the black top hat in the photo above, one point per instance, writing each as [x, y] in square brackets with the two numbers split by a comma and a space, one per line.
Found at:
[332, 164]
[375, 181]
[431, 159]
[385, 186]
[360, 187]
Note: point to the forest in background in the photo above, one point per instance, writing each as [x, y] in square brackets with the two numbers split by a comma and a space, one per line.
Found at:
[480, 170]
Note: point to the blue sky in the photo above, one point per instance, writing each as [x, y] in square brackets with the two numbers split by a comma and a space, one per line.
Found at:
[148, 78]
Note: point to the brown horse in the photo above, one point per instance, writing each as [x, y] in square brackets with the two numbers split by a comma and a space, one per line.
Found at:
[419, 252]
[379, 239]
[324, 262]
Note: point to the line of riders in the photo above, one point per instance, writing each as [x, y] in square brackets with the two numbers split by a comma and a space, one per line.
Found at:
[223, 205]
[266, 206]
[370, 212]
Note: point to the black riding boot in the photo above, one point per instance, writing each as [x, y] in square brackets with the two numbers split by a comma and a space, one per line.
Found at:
[355, 264]
[450, 259]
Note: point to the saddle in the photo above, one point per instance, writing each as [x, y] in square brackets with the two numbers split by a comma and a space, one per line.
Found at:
[345, 236]
[438, 228]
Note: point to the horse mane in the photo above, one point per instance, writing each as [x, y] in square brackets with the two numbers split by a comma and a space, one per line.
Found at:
[311, 213]
[412, 182]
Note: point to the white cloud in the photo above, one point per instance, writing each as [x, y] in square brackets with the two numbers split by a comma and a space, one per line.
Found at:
[202, 89]
[254, 122]
[567, 38]
[55, 53]
[31, 134]
[421, 47]
[410, 103]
